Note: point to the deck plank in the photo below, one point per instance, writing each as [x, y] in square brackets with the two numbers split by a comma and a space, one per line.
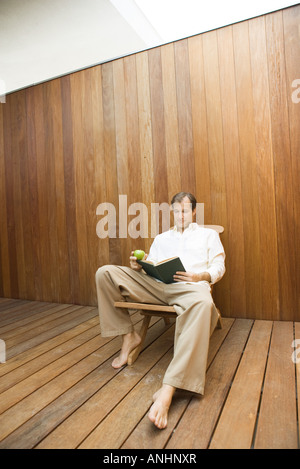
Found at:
[52, 344]
[21, 375]
[31, 340]
[146, 435]
[107, 435]
[198, 422]
[58, 389]
[35, 392]
[236, 425]
[38, 316]
[277, 422]
[100, 381]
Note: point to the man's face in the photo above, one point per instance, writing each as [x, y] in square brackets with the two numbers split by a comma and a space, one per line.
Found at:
[183, 213]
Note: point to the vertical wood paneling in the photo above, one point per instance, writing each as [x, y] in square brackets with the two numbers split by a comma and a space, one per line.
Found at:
[215, 143]
[50, 188]
[33, 216]
[43, 184]
[101, 246]
[28, 212]
[200, 137]
[214, 127]
[4, 245]
[291, 22]
[81, 144]
[248, 166]
[109, 137]
[212, 114]
[232, 168]
[135, 160]
[121, 139]
[171, 120]
[8, 233]
[158, 126]
[61, 226]
[18, 141]
[133, 136]
[9, 186]
[264, 161]
[182, 70]
[145, 126]
[69, 179]
[282, 162]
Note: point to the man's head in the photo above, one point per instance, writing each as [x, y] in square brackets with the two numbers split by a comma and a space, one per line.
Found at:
[184, 208]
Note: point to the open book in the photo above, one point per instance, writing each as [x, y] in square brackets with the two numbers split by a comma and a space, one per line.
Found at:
[163, 270]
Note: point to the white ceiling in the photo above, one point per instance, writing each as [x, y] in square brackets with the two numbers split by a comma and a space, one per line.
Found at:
[43, 39]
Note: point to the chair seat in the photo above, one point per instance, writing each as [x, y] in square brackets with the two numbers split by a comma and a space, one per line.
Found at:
[144, 307]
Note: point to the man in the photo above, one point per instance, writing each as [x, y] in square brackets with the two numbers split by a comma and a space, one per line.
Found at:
[202, 255]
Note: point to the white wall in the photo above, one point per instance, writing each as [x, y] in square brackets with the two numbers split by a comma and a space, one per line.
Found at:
[42, 39]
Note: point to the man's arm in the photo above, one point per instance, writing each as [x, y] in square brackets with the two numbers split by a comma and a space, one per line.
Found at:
[216, 268]
[213, 274]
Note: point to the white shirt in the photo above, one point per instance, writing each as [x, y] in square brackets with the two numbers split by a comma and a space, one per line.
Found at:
[200, 250]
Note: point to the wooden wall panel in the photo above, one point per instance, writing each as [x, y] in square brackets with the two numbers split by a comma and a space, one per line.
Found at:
[146, 148]
[4, 251]
[158, 126]
[264, 161]
[216, 168]
[32, 196]
[200, 137]
[284, 191]
[212, 114]
[72, 293]
[232, 168]
[184, 115]
[171, 121]
[291, 21]
[246, 128]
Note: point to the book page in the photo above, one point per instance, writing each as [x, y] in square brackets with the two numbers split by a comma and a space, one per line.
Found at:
[166, 260]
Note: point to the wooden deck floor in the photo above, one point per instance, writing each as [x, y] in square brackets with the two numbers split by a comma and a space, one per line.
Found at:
[58, 389]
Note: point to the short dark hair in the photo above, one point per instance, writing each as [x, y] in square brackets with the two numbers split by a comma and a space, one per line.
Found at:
[181, 195]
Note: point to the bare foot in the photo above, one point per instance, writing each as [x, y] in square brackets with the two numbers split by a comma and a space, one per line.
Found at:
[158, 413]
[130, 341]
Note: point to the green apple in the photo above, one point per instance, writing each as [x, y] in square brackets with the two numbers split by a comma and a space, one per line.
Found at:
[139, 254]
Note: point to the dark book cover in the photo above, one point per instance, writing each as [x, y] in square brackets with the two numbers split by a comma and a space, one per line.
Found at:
[164, 270]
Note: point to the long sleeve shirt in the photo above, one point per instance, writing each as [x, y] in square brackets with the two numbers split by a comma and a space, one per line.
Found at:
[200, 250]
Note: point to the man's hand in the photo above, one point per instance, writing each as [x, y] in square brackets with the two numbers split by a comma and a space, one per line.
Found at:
[133, 262]
[191, 277]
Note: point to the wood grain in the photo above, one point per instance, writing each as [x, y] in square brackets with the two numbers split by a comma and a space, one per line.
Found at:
[195, 428]
[282, 162]
[237, 421]
[59, 390]
[212, 114]
[248, 166]
[278, 408]
[291, 19]
[264, 161]
[234, 232]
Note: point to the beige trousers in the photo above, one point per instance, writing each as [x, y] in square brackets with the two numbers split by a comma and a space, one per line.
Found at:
[196, 318]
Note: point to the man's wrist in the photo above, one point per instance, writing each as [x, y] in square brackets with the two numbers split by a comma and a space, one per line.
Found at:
[204, 276]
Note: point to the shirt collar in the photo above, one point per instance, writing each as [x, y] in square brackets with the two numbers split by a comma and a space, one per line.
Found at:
[191, 227]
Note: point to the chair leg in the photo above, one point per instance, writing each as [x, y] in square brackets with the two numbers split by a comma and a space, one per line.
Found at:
[219, 323]
[136, 351]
